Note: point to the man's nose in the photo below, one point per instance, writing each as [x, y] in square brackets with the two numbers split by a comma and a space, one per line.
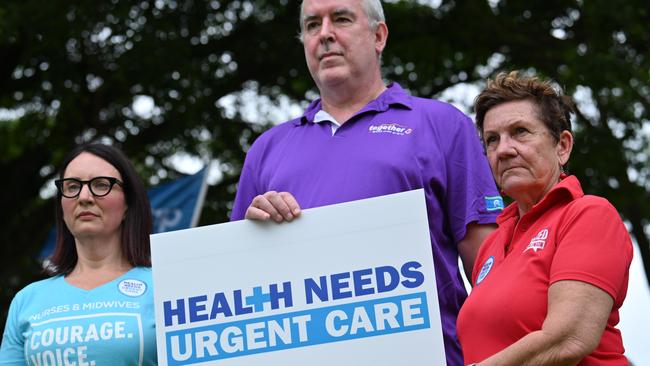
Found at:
[326, 31]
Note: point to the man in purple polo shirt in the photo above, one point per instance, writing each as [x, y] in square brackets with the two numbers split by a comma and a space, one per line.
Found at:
[364, 139]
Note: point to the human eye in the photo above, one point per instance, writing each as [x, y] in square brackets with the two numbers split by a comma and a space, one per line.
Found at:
[71, 185]
[311, 26]
[101, 184]
[521, 131]
[342, 19]
[490, 141]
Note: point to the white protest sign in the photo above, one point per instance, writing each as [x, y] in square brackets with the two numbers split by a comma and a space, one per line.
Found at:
[347, 284]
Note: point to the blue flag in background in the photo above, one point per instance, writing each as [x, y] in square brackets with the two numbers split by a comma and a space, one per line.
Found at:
[175, 205]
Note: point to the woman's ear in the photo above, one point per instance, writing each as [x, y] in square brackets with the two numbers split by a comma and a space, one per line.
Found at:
[564, 147]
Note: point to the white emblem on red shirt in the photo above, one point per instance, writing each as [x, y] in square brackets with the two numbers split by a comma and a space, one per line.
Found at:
[538, 242]
[487, 266]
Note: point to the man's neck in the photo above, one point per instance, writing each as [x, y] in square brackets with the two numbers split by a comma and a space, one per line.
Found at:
[343, 101]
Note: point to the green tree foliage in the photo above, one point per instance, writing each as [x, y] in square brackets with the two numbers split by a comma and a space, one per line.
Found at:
[71, 71]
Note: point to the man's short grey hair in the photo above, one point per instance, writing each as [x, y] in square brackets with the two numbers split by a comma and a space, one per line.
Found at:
[374, 13]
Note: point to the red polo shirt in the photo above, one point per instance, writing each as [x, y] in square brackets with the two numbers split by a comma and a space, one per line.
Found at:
[565, 236]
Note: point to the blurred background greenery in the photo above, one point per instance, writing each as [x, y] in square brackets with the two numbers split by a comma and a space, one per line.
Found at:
[203, 78]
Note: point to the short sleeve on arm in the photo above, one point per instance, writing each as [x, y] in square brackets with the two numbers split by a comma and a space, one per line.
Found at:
[593, 246]
[246, 191]
[470, 186]
[12, 349]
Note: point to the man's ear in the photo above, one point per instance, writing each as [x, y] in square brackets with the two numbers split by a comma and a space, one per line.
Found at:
[381, 36]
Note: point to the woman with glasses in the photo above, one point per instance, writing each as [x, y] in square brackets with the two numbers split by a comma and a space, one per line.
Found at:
[97, 308]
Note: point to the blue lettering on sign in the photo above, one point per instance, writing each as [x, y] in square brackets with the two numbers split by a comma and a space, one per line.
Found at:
[239, 308]
[337, 286]
[363, 282]
[298, 329]
[177, 312]
[284, 295]
[220, 306]
[258, 299]
[198, 308]
[385, 279]
[320, 289]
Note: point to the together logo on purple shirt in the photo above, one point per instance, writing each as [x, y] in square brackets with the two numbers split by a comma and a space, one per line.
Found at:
[392, 128]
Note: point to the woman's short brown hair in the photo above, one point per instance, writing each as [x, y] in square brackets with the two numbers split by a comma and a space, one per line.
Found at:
[553, 107]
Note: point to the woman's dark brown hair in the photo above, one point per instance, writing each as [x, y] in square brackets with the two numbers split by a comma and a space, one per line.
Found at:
[137, 223]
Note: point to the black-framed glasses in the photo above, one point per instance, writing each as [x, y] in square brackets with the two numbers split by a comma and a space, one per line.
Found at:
[99, 186]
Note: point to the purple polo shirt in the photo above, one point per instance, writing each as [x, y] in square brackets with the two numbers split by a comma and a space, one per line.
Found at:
[396, 143]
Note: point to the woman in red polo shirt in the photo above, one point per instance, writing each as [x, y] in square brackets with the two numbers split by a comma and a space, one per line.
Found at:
[549, 281]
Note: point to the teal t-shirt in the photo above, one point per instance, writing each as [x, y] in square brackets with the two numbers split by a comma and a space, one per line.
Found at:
[51, 322]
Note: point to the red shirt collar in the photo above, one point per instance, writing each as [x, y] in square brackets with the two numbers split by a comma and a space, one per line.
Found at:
[567, 186]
